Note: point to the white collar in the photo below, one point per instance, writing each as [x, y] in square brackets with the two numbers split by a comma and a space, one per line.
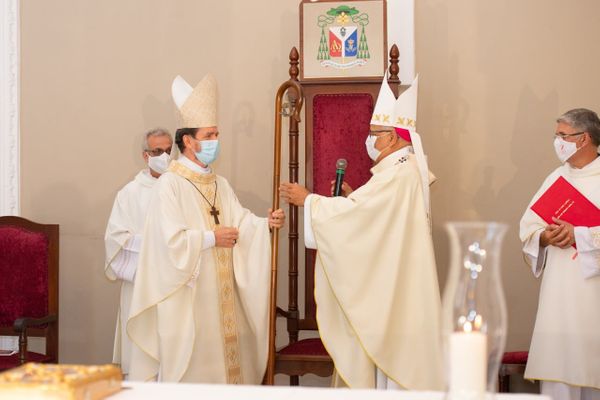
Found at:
[193, 166]
[145, 178]
[403, 152]
[392, 158]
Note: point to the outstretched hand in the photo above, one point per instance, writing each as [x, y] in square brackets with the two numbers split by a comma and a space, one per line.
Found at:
[293, 193]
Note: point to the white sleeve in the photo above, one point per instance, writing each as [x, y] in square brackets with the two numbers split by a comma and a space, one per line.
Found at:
[309, 236]
[588, 247]
[124, 264]
[535, 254]
[134, 244]
[208, 240]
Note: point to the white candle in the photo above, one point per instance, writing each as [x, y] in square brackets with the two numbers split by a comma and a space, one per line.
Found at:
[468, 364]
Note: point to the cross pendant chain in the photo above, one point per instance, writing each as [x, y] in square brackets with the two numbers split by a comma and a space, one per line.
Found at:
[213, 210]
[215, 213]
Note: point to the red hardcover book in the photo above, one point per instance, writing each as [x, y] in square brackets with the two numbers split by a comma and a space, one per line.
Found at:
[564, 202]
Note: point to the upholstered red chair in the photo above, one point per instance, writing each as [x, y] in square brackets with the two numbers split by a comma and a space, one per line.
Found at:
[28, 288]
[513, 363]
[337, 117]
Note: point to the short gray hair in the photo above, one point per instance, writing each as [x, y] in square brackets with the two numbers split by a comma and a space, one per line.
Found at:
[154, 133]
[583, 120]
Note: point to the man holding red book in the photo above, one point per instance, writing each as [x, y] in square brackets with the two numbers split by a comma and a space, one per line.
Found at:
[561, 237]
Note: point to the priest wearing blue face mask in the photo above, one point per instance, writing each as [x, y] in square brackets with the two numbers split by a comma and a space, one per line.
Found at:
[200, 305]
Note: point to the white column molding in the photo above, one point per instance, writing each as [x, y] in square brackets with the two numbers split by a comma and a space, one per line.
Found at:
[401, 31]
[9, 107]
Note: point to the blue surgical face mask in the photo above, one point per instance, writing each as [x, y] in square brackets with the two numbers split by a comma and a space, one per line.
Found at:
[209, 151]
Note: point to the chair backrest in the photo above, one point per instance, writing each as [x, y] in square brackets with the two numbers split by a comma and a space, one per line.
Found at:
[29, 271]
[337, 117]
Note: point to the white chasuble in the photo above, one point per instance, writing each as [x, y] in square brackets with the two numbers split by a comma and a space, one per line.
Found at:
[565, 346]
[122, 243]
[200, 315]
[376, 287]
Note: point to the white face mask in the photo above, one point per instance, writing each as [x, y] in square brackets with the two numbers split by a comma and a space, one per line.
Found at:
[160, 163]
[371, 150]
[564, 150]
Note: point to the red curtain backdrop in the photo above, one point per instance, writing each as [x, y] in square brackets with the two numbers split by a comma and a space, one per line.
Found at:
[24, 274]
[340, 127]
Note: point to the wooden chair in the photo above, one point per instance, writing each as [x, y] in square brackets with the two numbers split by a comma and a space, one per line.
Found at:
[513, 363]
[29, 288]
[337, 117]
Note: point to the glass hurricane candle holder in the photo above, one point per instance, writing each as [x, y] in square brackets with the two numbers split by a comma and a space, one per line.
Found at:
[474, 310]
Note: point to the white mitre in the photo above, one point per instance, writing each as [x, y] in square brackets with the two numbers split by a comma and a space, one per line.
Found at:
[383, 114]
[405, 118]
[405, 109]
[198, 106]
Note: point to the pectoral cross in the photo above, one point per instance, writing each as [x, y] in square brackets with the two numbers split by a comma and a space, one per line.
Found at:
[215, 213]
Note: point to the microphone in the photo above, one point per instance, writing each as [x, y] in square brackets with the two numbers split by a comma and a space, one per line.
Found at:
[340, 170]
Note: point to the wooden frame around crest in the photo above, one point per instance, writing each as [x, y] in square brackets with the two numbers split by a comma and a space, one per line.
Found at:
[317, 59]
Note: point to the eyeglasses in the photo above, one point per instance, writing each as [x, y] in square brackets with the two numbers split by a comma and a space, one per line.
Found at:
[379, 133]
[158, 152]
[567, 135]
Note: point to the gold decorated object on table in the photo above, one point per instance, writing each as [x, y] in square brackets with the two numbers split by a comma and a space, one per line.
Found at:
[60, 381]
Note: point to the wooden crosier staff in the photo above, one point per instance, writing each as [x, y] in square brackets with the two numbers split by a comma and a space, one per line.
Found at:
[290, 84]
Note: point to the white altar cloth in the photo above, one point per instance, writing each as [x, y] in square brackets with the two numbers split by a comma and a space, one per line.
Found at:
[183, 391]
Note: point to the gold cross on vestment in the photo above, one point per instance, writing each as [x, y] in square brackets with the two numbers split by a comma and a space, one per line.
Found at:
[215, 213]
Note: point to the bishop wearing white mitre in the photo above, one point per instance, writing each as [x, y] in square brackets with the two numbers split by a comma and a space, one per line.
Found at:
[200, 304]
[376, 287]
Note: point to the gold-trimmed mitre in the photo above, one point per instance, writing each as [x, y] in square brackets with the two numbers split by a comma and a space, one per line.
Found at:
[383, 114]
[405, 109]
[197, 106]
